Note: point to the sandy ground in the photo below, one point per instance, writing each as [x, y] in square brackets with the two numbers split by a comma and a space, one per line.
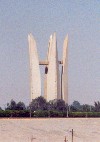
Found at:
[50, 130]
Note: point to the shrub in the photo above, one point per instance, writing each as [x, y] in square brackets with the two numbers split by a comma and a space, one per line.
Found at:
[40, 113]
[46, 113]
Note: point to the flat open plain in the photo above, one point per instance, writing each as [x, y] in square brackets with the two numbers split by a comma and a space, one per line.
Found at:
[50, 130]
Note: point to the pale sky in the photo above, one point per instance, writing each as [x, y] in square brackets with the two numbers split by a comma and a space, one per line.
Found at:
[77, 18]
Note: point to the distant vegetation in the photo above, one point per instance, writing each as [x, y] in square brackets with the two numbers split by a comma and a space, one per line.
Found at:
[39, 107]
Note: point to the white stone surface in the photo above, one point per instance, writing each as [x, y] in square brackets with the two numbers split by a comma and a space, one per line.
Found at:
[46, 74]
[65, 71]
[53, 78]
[35, 77]
[50, 130]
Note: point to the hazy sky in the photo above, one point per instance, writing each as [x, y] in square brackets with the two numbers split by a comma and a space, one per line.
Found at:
[80, 19]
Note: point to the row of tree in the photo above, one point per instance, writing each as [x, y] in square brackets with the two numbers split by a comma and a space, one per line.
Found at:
[57, 105]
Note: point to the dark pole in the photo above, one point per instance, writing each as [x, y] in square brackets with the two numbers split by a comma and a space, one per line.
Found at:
[72, 135]
[30, 112]
[65, 139]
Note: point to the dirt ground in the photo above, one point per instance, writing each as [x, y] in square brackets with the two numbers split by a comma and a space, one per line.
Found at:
[50, 130]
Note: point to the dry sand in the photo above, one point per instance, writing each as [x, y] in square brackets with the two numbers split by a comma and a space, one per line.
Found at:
[50, 130]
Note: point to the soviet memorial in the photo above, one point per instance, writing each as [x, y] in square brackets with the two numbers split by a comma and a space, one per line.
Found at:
[55, 82]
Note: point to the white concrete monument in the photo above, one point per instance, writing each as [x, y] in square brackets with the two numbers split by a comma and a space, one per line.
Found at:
[35, 78]
[65, 71]
[54, 86]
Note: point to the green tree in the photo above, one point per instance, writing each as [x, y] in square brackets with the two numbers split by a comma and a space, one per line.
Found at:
[0, 108]
[11, 105]
[76, 106]
[20, 106]
[38, 104]
[97, 106]
[57, 105]
[86, 107]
